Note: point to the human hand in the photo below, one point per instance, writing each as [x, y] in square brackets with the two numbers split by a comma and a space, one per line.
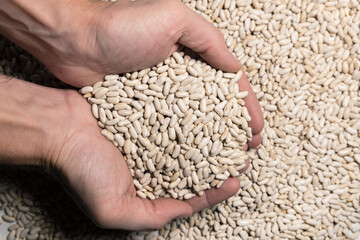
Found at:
[130, 35]
[82, 41]
[101, 182]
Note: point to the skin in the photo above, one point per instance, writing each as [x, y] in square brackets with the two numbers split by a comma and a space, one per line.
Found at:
[64, 135]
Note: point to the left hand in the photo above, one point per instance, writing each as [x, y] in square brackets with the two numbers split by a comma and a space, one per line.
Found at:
[82, 41]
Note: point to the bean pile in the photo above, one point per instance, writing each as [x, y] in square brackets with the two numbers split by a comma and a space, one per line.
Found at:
[181, 125]
[302, 58]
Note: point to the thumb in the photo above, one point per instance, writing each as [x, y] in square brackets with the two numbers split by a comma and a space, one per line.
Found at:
[215, 195]
[205, 39]
[143, 214]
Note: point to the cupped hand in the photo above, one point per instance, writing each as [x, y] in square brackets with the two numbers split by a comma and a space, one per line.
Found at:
[97, 176]
[130, 35]
[126, 36]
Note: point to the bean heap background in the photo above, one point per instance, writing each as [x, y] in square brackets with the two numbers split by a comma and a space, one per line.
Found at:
[181, 125]
[302, 58]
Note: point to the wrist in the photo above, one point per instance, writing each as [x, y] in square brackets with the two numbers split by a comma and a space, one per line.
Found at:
[28, 117]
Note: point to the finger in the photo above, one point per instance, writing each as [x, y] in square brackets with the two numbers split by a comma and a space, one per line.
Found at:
[255, 141]
[247, 164]
[205, 39]
[215, 195]
[247, 161]
[174, 48]
[252, 104]
[140, 214]
[245, 147]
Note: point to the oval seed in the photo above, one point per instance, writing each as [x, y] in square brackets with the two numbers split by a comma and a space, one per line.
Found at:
[127, 146]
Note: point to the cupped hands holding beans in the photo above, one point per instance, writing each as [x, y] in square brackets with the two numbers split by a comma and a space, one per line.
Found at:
[80, 42]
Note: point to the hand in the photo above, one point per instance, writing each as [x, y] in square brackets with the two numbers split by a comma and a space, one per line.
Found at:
[133, 35]
[98, 176]
[82, 41]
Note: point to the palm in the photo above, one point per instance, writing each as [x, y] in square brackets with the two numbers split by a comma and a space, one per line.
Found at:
[100, 180]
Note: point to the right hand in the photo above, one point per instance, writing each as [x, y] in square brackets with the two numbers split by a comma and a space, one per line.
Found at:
[98, 178]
